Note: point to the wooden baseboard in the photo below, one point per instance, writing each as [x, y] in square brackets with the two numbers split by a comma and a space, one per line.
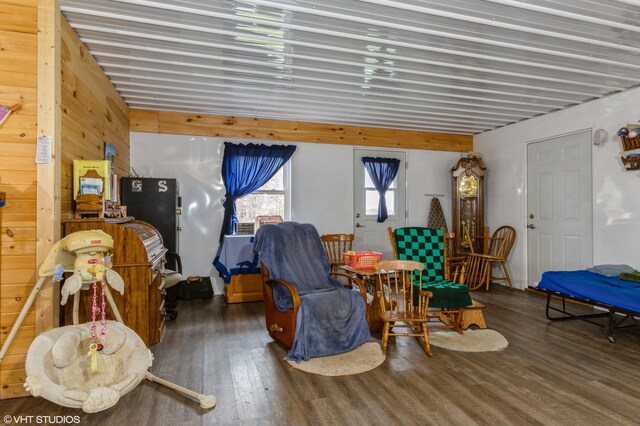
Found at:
[244, 288]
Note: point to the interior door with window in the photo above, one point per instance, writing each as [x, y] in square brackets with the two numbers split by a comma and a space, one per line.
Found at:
[559, 204]
[369, 234]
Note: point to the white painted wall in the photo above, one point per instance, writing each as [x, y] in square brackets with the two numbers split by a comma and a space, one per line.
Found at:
[321, 187]
[616, 206]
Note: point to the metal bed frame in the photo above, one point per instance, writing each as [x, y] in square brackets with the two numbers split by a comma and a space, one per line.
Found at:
[611, 313]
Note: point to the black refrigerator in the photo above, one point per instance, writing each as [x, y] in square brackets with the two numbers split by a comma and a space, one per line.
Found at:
[157, 201]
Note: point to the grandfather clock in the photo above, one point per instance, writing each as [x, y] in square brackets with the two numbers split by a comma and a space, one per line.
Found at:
[467, 182]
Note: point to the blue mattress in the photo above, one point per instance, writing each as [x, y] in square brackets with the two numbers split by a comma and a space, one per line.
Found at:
[594, 287]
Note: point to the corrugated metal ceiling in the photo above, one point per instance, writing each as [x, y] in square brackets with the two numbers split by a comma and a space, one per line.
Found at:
[452, 66]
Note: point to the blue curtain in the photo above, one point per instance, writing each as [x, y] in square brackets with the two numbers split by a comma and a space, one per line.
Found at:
[245, 168]
[382, 172]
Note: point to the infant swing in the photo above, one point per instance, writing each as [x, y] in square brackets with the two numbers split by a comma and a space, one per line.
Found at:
[77, 366]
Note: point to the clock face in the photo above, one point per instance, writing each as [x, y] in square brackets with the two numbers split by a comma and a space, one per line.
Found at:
[468, 186]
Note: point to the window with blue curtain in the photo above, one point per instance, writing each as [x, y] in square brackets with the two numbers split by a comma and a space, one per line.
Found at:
[382, 172]
[246, 168]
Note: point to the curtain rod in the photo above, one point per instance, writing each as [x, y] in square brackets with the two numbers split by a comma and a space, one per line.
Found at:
[434, 195]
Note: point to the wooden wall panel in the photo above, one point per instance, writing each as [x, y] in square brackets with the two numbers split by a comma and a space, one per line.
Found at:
[48, 173]
[18, 83]
[19, 16]
[180, 123]
[92, 112]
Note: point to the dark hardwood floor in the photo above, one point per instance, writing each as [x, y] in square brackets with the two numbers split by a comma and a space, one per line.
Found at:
[551, 374]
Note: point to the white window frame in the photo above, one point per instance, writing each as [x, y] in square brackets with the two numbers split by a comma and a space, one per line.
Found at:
[286, 191]
[392, 188]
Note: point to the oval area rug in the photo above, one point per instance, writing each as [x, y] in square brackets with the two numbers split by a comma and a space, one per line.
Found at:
[365, 357]
[482, 340]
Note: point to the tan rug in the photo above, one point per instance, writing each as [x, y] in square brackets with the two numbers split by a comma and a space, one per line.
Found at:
[471, 341]
[365, 357]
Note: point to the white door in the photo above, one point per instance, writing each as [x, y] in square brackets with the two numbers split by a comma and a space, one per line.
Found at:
[369, 234]
[559, 204]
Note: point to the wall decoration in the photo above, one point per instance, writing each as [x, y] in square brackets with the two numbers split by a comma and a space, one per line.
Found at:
[630, 139]
[5, 111]
[109, 152]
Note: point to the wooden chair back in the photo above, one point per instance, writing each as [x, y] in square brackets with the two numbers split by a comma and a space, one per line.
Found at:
[444, 259]
[399, 298]
[501, 242]
[335, 245]
[476, 271]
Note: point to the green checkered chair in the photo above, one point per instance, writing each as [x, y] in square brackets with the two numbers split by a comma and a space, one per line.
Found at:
[427, 246]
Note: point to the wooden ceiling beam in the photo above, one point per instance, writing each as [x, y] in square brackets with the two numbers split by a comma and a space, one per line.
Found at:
[180, 123]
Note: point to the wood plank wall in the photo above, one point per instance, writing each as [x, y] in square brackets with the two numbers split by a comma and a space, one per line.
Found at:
[48, 174]
[179, 123]
[92, 112]
[18, 82]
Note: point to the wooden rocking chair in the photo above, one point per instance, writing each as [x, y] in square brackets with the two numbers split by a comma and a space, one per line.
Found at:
[403, 304]
[428, 246]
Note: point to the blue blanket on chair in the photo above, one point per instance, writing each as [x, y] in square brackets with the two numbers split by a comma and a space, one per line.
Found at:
[331, 318]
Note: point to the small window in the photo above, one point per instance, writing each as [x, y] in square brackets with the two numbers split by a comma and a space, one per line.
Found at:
[270, 200]
[371, 196]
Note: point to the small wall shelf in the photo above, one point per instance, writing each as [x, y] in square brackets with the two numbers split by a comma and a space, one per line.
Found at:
[631, 163]
[630, 143]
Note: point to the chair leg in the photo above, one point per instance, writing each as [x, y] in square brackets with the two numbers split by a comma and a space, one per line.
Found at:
[457, 321]
[488, 275]
[385, 337]
[506, 274]
[424, 339]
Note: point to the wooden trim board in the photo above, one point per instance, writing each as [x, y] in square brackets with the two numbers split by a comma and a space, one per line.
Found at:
[48, 175]
[180, 123]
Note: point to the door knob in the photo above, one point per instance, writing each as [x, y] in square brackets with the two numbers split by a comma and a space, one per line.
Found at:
[531, 226]
[360, 226]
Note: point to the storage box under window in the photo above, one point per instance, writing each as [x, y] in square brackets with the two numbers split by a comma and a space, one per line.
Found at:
[262, 220]
[245, 228]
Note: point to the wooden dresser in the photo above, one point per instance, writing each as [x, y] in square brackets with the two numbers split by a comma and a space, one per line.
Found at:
[139, 257]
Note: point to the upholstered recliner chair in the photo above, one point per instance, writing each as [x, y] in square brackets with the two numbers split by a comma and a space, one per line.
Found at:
[306, 308]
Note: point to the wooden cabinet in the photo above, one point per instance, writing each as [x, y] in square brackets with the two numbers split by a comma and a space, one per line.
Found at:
[138, 256]
[467, 184]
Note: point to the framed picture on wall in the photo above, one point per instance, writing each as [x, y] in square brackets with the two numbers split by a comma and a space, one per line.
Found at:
[109, 152]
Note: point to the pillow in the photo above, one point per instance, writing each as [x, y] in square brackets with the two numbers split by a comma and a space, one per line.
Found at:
[631, 276]
[611, 270]
[65, 349]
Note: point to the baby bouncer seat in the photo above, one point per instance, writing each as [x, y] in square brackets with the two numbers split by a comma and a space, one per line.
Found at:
[89, 366]
[58, 368]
